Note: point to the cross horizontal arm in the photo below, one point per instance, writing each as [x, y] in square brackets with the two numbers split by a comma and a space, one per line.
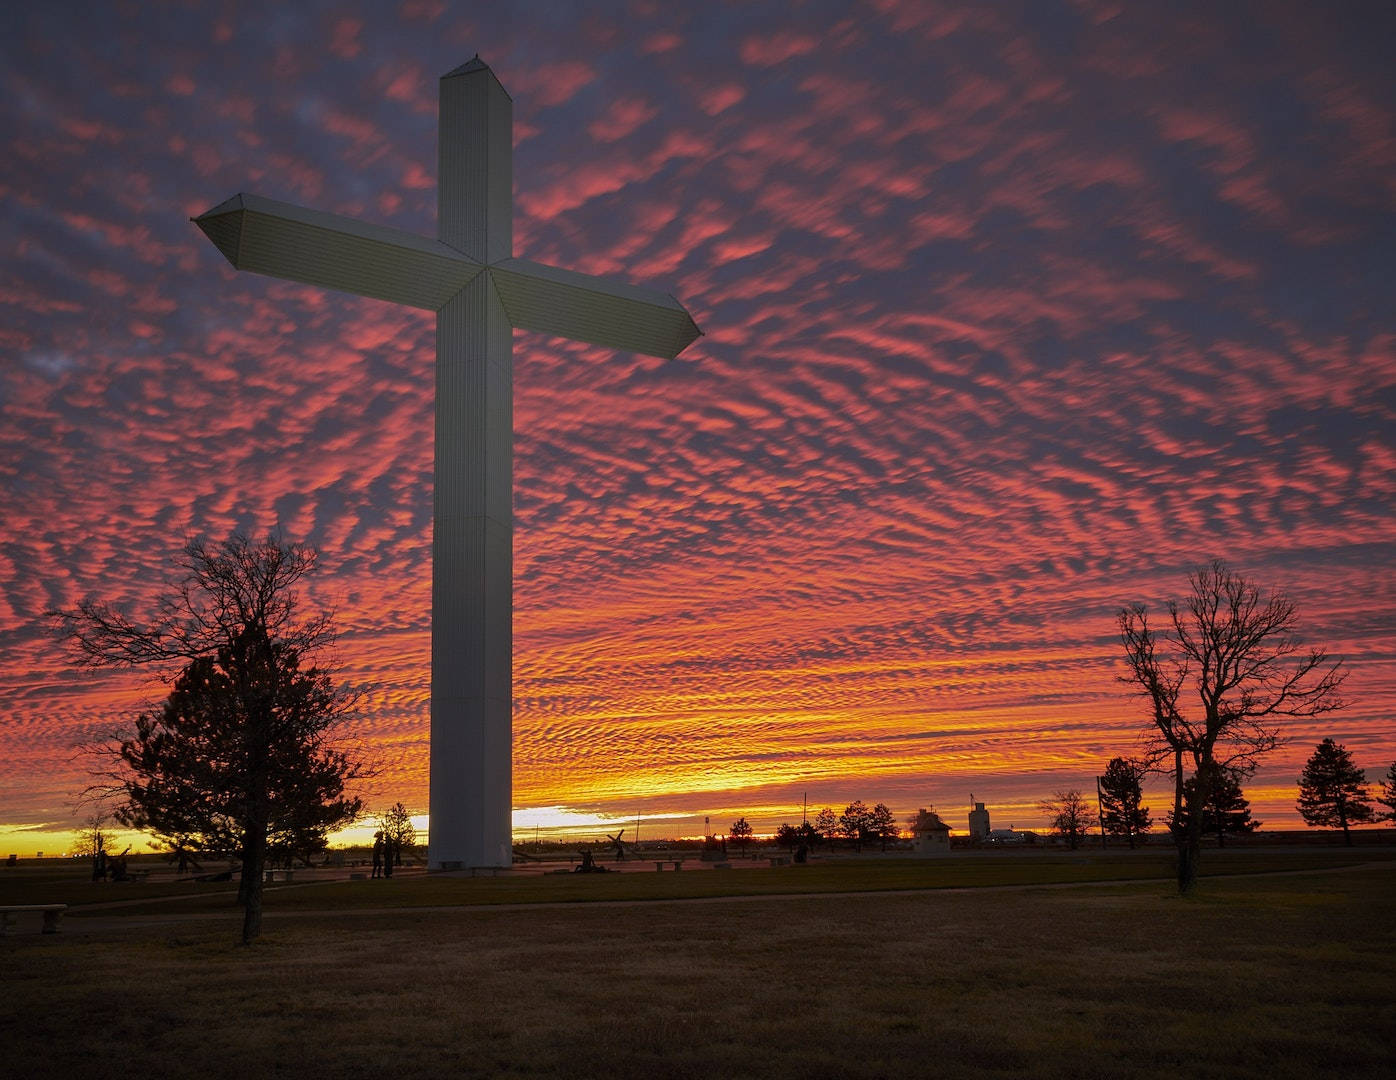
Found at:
[600, 311]
[276, 238]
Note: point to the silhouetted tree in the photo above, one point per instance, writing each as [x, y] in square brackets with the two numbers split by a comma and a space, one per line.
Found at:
[1121, 799]
[1333, 791]
[399, 834]
[1226, 809]
[242, 757]
[740, 832]
[807, 834]
[882, 824]
[825, 825]
[1070, 816]
[788, 836]
[1387, 793]
[1235, 652]
[92, 837]
[855, 823]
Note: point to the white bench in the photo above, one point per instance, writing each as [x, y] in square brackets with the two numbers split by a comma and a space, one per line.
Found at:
[52, 914]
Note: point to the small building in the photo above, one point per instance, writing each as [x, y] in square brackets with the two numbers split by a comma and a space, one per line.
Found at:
[932, 834]
[978, 822]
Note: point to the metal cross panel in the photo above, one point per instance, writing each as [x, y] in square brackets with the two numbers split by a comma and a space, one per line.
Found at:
[480, 293]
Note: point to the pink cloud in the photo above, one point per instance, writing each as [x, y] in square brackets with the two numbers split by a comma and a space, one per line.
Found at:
[554, 84]
[767, 50]
[717, 99]
[622, 118]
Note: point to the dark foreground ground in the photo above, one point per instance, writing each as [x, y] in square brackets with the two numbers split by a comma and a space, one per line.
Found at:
[1270, 976]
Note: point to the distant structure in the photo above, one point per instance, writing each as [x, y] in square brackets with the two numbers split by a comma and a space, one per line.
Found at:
[978, 821]
[932, 834]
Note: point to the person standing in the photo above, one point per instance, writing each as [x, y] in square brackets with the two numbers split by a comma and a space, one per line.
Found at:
[378, 854]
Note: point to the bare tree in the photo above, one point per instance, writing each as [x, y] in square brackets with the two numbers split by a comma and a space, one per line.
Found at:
[242, 752]
[1070, 815]
[92, 837]
[395, 824]
[1219, 680]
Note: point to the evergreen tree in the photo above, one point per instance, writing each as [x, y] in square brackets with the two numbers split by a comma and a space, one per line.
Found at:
[1224, 810]
[1120, 800]
[883, 824]
[1387, 795]
[246, 755]
[1333, 791]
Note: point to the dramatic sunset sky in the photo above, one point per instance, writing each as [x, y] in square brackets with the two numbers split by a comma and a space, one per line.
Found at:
[1014, 313]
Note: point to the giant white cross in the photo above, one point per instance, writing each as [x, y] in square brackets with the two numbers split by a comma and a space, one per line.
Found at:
[468, 275]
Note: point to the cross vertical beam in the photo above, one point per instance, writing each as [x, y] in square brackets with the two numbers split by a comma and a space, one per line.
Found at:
[480, 294]
[472, 542]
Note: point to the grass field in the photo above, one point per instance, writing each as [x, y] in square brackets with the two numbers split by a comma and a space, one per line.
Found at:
[68, 882]
[1270, 977]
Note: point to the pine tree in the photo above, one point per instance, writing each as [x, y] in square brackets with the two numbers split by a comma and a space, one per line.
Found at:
[1120, 799]
[1225, 810]
[1333, 791]
[1387, 795]
[883, 823]
[247, 756]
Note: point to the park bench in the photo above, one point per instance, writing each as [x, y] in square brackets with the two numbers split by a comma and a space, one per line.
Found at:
[52, 914]
[779, 860]
[286, 876]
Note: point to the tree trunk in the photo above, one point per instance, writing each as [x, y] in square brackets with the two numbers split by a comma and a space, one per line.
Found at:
[1187, 866]
[1190, 841]
[250, 893]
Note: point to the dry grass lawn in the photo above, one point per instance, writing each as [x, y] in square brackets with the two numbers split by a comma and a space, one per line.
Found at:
[1252, 977]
